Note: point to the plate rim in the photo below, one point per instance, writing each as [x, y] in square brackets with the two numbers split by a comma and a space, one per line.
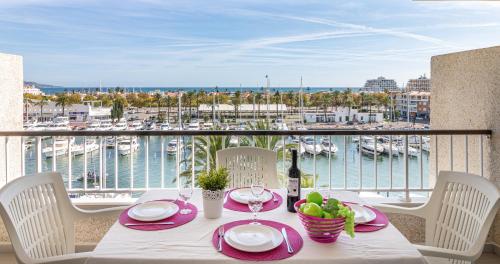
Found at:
[165, 215]
[256, 249]
[269, 198]
[365, 208]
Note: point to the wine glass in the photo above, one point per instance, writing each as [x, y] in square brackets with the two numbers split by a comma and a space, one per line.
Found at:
[255, 205]
[257, 188]
[185, 193]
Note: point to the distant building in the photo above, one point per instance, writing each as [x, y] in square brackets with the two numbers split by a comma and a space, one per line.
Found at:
[380, 84]
[31, 89]
[75, 112]
[418, 106]
[343, 115]
[422, 84]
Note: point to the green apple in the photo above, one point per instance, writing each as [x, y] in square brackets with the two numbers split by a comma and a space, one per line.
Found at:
[313, 209]
[314, 197]
[301, 208]
[327, 215]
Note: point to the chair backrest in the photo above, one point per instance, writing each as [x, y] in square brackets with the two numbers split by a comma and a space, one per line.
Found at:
[246, 164]
[34, 209]
[460, 212]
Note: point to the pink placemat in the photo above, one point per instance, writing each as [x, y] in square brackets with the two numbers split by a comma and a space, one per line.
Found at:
[178, 218]
[380, 219]
[267, 206]
[278, 253]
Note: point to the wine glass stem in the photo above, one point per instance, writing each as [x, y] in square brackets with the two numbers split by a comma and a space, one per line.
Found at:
[255, 216]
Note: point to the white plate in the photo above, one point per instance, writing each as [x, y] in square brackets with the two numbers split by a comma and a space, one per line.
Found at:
[244, 194]
[253, 238]
[153, 211]
[362, 214]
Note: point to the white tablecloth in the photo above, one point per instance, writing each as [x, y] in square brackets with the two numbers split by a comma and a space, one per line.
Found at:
[191, 243]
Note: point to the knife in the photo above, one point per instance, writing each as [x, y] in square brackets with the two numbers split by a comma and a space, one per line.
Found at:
[145, 224]
[288, 245]
[221, 236]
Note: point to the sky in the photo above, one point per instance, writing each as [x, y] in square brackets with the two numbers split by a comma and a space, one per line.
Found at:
[230, 43]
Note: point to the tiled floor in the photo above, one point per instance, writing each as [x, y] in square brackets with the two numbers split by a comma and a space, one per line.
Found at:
[485, 259]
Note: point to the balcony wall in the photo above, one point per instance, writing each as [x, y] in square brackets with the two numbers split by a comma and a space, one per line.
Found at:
[466, 95]
[11, 113]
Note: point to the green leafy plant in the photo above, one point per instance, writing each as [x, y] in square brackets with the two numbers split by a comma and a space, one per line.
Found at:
[214, 179]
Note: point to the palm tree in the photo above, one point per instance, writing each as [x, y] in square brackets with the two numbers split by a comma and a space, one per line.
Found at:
[325, 102]
[167, 101]
[236, 103]
[276, 99]
[43, 101]
[158, 99]
[63, 100]
[258, 99]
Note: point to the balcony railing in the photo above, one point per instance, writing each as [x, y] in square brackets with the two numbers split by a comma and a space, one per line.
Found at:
[136, 161]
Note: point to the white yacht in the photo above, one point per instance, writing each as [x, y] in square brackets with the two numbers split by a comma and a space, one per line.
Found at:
[39, 127]
[310, 146]
[426, 146]
[367, 146]
[136, 125]
[172, 146]
[195, 125]
[327, 146]
[387, 148]
[412, 152]
[208, 126]
[127, 146]
[110, 141]
[60, 147]
[59, 123]
[93, 125]
[165, 126]
[120, 125]
[79, 149]
[106, 125]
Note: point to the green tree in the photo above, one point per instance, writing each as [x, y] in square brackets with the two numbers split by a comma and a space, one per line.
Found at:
[63, 100]
[117, 110]
[44, 100]
[157, 97]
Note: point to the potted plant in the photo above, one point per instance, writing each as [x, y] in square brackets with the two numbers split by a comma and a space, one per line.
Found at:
[213, 183]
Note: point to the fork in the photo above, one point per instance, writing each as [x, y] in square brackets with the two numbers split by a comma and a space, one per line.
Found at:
[221, 236]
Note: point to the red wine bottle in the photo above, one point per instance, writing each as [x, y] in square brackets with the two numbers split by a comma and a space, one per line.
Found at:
[293, 194]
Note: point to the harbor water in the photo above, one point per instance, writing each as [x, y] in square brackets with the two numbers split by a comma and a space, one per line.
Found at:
[133, 168]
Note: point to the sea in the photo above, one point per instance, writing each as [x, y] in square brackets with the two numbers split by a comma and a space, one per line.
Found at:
[55, 90]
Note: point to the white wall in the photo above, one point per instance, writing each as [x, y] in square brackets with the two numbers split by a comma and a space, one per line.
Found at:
[11, 115]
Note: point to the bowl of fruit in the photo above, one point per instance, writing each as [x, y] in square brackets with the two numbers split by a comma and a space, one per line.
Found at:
[324, 219]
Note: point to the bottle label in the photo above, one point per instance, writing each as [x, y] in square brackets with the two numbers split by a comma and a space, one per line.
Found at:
[293, 187]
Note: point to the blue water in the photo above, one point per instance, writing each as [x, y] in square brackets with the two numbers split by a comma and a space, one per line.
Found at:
[307, 165]
[53, 90]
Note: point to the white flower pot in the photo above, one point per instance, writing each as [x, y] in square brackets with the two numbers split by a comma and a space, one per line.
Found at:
[213, 202]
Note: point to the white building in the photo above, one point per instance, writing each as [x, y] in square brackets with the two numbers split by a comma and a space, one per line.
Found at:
[422, 84]
[379, 85]
[418, 105]
[31, 89]
[343, 115]
[75, 112]
[244, 110]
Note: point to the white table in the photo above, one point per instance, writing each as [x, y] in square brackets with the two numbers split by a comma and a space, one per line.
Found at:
[191, 243]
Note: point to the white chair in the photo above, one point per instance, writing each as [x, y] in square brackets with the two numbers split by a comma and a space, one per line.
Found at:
[40, 217]
[458, 216]
[247, 164]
